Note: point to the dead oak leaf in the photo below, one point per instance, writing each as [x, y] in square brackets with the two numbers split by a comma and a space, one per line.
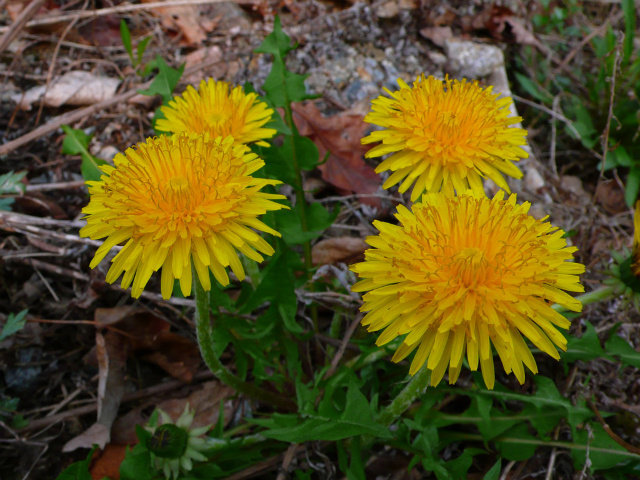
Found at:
[339, 135]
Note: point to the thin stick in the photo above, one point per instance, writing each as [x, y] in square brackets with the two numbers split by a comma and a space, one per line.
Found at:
[552, 148]
[51, 19]
[605, 134]
[12, 31]
[343, 347]
[52, 64]
[43, 187]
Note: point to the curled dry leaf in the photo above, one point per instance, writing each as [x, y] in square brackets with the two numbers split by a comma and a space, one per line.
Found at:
[610, 195]
[340, 135]
[502, 24]
[73, 88]
[148, 334]
[184, 18]
[111, 354]
[338, 249]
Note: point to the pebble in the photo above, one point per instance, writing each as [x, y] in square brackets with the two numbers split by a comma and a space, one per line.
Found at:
[472, 60]
[533, 180]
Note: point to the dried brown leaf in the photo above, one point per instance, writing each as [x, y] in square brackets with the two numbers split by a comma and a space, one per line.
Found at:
[111, 354]
[183, 18]
[340, 135]
[338, 249]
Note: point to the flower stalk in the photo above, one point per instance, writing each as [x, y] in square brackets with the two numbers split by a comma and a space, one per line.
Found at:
[597, 295]
[205, 342]
[416, 387]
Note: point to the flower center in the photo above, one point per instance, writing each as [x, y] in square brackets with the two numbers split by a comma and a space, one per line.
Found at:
[178, 184]
[468, 264]
[216, 119]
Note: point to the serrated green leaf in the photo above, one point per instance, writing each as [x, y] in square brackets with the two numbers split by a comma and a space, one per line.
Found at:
[137, 464]
[76, 142]
[78, 470]
[282, 86]
[165, 81]
[619, 347]
[289, 223]
[15, 323]
[585, 348]
[328, 423]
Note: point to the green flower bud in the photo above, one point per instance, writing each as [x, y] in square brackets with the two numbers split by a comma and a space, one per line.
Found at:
[169, 441]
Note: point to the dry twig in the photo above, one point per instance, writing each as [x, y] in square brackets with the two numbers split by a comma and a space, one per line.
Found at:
[12, 31]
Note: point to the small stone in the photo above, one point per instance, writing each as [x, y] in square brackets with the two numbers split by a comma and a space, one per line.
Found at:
[533, 181]
[472, 60]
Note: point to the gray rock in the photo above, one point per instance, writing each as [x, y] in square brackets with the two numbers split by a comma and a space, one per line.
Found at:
[472, 60]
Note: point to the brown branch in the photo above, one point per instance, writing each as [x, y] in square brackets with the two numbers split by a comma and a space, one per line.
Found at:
[51, 19]
[627, 446]
[12, 31]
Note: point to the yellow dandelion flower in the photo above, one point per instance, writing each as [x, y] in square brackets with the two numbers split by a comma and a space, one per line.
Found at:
[461, 273]
[177, 200]
[217, 109]
[445, 136]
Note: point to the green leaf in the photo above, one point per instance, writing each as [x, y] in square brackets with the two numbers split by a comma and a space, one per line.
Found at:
[585, 348]
[289, 223]
[282, 86]
[533, 89]
[494, 472]
[165, 81]
[125, 35]
[277, 286]
[618, 158]
[76, 142]
[14, 324]
[633, 186]
[603, 451]
[78, 470]
[328, 423]
[304, 150]
[517, 444]
[619, 347]
[629, 10]
[10, 183]
[137, 464]
[276, 165]
[142, 46]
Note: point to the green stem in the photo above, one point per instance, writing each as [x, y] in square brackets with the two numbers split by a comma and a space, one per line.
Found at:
[416, 387]
[205, 342]
[598, 295]
[308, 264]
